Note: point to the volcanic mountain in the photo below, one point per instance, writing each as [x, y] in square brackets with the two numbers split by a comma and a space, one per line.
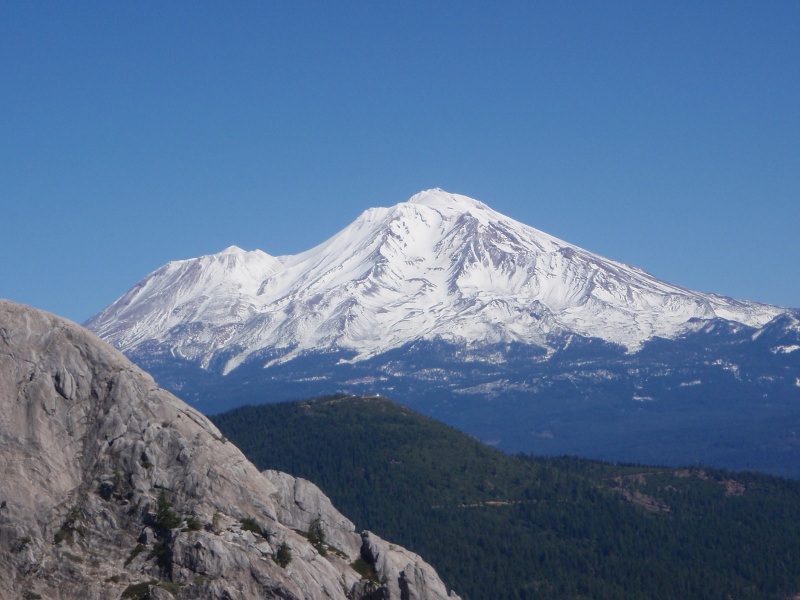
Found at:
[438, 267]
[525, 341]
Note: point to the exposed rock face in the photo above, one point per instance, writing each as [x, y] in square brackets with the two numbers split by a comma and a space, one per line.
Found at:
[110, 485]
[406, 575]
[300, 503]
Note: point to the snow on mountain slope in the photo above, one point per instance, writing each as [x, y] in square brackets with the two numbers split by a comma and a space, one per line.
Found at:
[440, 266]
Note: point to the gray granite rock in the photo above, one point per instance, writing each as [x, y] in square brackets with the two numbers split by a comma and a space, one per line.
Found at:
[299, 503]
[404, 573]
[108, 484]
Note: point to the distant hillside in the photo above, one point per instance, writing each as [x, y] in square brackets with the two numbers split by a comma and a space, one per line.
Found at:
[520, 527]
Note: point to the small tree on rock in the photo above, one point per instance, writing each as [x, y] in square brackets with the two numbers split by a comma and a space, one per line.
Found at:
[316, 535]
[166, 517]
[283, 555]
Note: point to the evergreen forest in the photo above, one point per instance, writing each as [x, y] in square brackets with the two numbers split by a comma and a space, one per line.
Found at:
[498, 526]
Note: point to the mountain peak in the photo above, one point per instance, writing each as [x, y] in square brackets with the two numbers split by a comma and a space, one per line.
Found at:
[439, 198]
[247, 255]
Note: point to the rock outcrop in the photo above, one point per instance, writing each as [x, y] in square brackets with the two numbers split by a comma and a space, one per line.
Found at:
[111, 487]
[406, 575]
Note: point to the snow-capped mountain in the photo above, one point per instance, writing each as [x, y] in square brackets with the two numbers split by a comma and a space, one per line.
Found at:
[440, 266]
[498, 329]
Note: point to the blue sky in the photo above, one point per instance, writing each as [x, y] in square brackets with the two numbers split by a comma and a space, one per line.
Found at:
[662, 134]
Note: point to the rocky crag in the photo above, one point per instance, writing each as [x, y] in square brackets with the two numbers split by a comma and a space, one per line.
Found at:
[113, 488]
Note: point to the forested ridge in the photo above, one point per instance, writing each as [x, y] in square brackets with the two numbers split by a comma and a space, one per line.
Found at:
[500, 526]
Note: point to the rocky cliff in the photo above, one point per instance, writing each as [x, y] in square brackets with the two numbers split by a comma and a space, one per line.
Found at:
[111, 487]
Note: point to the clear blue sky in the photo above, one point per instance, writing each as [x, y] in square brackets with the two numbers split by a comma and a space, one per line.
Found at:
[661, 134]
